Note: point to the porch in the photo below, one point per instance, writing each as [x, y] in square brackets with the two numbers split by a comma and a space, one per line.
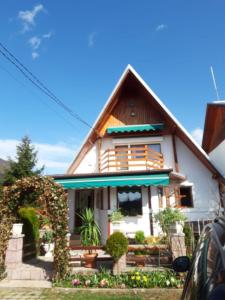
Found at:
[135, 194]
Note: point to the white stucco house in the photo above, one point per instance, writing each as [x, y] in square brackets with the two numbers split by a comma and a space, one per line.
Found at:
[138, 158]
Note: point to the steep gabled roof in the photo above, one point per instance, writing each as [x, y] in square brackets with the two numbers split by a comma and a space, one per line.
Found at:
[214, 129]
[178, 129]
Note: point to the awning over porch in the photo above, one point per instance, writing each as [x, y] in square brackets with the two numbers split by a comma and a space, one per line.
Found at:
[135, 128]
[114, 181]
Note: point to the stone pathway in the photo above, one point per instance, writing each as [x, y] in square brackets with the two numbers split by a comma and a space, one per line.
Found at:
[21, 294]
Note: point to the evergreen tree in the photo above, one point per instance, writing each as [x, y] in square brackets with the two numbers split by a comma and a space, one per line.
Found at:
[25, 164]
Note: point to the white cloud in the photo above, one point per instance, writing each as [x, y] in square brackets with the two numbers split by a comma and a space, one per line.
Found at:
[161, 27]
[28, 16]
[34, 42]
[197, 134]
[91, 39]
[55, 157]
[34, 55]
[47, 35]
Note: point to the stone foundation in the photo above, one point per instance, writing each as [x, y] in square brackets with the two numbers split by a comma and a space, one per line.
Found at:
[14, 252]
[177, 243]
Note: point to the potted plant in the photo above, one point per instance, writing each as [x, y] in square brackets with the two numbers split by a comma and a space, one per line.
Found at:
[116, 218]
[90, 236]
[47, 241]
[171, 220]
[117, 247]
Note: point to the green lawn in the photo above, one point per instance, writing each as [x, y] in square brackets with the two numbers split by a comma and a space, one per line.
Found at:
[151, 294]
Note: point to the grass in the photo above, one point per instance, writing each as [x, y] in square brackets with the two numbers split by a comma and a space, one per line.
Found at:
[152, 294]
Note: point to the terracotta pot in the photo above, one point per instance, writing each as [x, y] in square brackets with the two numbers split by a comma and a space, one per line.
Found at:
[140, 260]
[90, 260]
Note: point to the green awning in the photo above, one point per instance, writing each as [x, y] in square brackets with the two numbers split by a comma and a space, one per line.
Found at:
[135, 128]
[114, 181]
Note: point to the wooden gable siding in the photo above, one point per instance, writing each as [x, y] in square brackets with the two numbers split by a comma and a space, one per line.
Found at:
[131, 100]
[214, 131]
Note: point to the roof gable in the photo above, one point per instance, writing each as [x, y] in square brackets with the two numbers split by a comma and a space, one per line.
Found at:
[99, 126]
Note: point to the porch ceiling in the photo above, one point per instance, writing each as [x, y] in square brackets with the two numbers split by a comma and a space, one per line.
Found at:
[114, 181]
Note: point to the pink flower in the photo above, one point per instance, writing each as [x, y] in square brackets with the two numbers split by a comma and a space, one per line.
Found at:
[103, 283]
[75, 282]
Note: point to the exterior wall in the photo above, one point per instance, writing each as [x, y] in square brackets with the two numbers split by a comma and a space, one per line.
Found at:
[218, 158]
[205, 189]
[90, 162]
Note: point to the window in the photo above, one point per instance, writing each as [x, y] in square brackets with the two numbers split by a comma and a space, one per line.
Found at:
[186, 198]
[155, 147]
[130, 200]
[135, 152]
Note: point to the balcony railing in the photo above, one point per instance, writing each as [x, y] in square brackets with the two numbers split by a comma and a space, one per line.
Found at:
[130, 159]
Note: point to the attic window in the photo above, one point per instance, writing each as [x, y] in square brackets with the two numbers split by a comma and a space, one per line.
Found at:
[186, 197]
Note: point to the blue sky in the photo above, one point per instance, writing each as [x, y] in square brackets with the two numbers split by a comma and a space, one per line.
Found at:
[80, 48]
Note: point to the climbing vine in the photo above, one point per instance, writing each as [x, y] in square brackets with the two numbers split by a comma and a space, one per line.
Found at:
[52, 198]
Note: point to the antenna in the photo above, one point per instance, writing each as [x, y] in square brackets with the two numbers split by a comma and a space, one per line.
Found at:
[214, 82]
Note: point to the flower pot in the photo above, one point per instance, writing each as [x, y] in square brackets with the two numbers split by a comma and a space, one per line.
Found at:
[48, 248]
[90, 260]
[140, 260]
[17, 229]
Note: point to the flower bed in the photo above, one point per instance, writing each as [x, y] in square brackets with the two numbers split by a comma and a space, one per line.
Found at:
[137, 279]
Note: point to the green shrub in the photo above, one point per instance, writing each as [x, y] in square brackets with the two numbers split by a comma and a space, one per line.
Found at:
[117, 245]
[30, 220]
[139, 237]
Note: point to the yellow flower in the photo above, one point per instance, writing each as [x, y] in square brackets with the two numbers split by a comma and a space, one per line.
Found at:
[138, 277]
[132, 277]
[137, 273]
[145, 279]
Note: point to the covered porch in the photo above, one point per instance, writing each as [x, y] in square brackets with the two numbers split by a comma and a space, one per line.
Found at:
[135, 193]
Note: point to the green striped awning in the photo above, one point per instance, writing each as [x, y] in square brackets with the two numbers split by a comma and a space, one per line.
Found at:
[135, 128]
[114, 181]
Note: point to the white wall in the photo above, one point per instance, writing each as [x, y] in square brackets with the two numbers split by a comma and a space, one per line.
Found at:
[205, 189]
[217, 157]
[89, 164]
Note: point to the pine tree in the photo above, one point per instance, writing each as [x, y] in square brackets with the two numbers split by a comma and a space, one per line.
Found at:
[25, 164]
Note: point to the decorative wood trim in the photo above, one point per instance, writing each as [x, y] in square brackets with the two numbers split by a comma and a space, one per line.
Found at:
[150, 207]
[167, 194]
[108, 197]
[175, 153]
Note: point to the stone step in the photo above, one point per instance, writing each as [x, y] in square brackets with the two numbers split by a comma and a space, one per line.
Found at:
[26, 273]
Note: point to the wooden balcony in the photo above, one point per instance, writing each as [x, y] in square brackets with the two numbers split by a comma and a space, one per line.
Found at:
[130, 158]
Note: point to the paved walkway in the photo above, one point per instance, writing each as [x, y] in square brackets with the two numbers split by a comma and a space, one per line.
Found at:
[21, 294]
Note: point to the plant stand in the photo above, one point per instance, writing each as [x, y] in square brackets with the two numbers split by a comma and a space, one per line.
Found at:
[120, 265]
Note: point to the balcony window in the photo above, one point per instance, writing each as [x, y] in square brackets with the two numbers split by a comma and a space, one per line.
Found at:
[137, 150]
[130, 200]
[155, 147]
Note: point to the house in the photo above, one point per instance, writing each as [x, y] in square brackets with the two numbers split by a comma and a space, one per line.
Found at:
[214, 134]
[138, 158]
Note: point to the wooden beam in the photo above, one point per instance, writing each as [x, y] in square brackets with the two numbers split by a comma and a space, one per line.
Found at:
[175, 153]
